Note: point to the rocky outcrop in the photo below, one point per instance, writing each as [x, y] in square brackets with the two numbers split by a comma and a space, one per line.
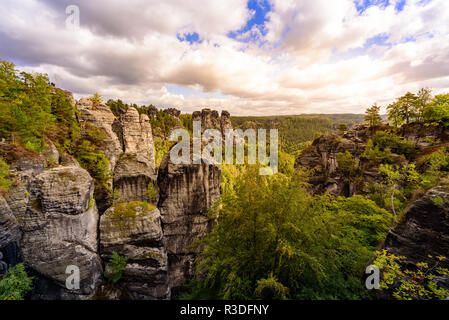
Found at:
[321, 159]
[128, 146]
[134, 231]
[210, 119]
[186, 194]
[136, 167]
[100, 116]
[9, 235]
[424, 231]
[58, 219]
[424, 135]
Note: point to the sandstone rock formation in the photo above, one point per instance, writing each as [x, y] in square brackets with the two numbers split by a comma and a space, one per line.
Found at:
[134, 231]
[136, 166]
[321, 157]
[9, 234]
[50, 212]
[101, 117]
[128, 146]
[58, 219]
[186, 194]
[425, 230]
[210, 119]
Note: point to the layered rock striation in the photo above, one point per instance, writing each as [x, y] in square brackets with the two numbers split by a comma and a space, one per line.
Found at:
[186, 194]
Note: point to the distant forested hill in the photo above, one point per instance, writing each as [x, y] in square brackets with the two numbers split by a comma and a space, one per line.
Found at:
[296, 130]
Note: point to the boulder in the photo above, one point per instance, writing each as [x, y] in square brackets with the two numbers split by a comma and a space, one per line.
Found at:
[424, 231]
[58, 219]
[133, 230]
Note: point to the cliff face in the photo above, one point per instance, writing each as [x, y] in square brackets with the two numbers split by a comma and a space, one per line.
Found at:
[186, 194]
[136, 166]
[49, 218]
[58, 220]
[425, 229]
[101, 116]
[128, 146]
[134, 231]
[321, 156]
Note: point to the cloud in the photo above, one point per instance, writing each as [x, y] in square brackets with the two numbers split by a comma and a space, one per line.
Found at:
[289, 57]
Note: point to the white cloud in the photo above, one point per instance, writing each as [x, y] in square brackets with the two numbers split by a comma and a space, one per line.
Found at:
[313, 58]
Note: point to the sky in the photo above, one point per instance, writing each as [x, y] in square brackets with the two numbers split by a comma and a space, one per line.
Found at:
[256, 57]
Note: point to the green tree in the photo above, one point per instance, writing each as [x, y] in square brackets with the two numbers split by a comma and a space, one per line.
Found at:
[274, 240]
[423, 98]
[438, 110]
[404, 109]
[373, 116]
[96, 99]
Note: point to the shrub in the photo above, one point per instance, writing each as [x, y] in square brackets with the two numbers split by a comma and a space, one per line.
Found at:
[374, 155]
[270, 289]
[5, 181]
[117, 266]
[411, 284]
[96, 99]
[347, 164]
[15, 284]
[398, 145]
[151, 192]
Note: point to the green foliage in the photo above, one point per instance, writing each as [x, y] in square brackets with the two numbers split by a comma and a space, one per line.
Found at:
[5, 180]
[373, 116]
[96, 99]
[97, 164]
[15, 284]
[436, 168]
[163, 124]
[383, 145]
[25, 107]
[273, 239]
[293, 130]
[117, 266]
[151, 192]
[187, 123]
[91, 202]
[348, 164]
[270, 289]
[411, 284]
[398, 145]
[286, 163]
[396, 188]
[404, 109]
[342, 127]
[374, 155]
[161, 148]
[438, 110]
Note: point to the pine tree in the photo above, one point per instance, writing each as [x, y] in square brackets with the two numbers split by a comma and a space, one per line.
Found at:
[373, 116]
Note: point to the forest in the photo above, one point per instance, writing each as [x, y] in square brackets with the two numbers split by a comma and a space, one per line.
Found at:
[273, 239]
